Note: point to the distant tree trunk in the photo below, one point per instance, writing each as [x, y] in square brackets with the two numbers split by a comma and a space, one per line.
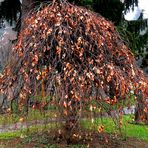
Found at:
[27, 5]
[140, 114]
[138, 111]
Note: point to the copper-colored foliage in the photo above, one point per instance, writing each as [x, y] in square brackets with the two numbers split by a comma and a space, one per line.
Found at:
[77, 53]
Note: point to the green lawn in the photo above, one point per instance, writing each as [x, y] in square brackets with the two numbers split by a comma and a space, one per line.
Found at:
[127, 129]
[31, 116]
[26, 132]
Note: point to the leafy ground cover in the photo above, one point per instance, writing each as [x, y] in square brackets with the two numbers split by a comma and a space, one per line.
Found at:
[92, 140]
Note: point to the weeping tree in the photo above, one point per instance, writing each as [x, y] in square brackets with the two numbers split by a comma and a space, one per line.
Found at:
[112, 10]
[74, 56]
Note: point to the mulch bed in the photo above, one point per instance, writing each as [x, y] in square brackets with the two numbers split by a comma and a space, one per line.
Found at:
[85, 140]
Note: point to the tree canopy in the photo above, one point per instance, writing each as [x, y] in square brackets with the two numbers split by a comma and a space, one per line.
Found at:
[76, 54]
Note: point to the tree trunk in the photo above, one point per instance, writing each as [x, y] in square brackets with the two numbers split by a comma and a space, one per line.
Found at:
[72, 127]
[27, 5]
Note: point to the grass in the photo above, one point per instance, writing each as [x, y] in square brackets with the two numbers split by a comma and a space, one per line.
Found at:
[28, 131]
[31, 116]
[127, 129]
[51, 112]
[39, 135]
[134, 130]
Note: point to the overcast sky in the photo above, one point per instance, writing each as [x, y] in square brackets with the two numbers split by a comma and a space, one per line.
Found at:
[1, 0]
[142, 6]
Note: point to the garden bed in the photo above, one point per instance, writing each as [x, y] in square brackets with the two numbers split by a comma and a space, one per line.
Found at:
[92, 140]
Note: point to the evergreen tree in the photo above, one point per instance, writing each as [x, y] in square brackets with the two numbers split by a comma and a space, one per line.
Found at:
[9, 10]
[135, 34]
[111, 9]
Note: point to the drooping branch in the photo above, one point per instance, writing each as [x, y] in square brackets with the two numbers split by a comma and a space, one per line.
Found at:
[77, 53]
